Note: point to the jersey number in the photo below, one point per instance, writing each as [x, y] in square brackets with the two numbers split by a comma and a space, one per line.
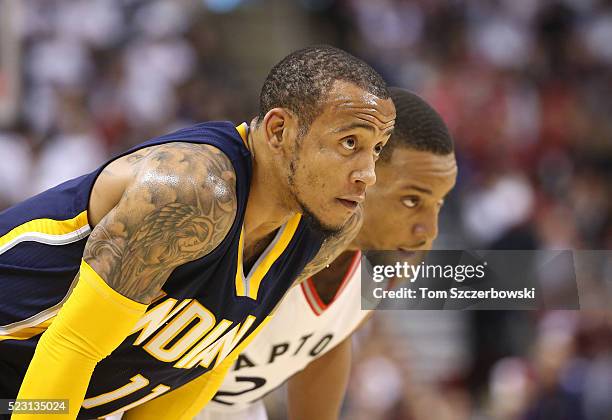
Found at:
[255, 380]
[136, 383]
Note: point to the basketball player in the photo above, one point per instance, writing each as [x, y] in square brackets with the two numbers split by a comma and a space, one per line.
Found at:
[308, 340]
[183, 245]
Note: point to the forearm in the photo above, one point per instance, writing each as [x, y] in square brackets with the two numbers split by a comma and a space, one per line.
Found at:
[317, 392]
[77, 340]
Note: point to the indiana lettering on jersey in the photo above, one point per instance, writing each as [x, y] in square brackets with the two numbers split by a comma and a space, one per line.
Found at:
[187, 333]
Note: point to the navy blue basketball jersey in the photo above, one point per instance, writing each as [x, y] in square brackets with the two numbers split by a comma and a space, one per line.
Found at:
[208, 306]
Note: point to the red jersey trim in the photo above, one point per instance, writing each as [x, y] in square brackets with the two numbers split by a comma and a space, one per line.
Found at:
[313, 298]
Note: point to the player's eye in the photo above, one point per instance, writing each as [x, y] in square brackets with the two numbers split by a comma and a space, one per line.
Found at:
[349, 143]
[378, 149]
[411, 202]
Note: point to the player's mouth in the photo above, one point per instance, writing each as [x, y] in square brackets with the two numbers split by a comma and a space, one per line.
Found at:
[413, 249]
[407, 252]
[351, 202]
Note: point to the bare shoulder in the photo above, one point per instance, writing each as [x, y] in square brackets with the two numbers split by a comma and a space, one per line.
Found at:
[333, 247]
[178, 205]
[184, 172]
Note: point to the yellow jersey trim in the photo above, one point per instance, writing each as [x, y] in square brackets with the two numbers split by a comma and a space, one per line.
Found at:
[50, 232]
[47, 231]
[240, 290]
[249, 286]
[30, 332]
[243, 130]
[262, 269]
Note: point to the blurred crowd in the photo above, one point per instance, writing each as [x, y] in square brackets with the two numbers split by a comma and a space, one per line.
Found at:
[524, 86]
[101, 75]
[561, 371]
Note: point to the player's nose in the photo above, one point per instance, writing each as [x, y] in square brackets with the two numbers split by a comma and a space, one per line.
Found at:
[425, 230]
[364, 172]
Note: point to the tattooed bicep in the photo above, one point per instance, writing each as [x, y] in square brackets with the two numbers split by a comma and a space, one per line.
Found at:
[179, 207]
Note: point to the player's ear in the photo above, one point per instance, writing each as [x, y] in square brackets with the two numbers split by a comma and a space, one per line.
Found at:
[280, 128]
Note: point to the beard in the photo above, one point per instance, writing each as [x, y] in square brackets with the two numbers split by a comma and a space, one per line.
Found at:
[313, 222]
[316, 225]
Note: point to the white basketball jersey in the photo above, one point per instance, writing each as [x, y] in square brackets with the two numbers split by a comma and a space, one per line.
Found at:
[303, 329]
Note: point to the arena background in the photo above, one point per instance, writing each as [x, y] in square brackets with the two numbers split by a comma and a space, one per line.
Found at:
[524, 86]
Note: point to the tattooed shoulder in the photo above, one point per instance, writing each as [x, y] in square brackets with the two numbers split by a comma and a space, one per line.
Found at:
[332, 247]
[179, 206]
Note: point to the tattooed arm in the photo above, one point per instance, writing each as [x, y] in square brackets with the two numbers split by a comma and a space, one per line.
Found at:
[178, 206]
[333, 247]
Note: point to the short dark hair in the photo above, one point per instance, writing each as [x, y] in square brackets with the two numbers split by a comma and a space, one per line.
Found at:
[301, 80]
[417, 126]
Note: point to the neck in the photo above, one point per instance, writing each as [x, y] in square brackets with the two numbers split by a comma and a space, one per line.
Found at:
[358, 242]
[327, 281]
[266, 209]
